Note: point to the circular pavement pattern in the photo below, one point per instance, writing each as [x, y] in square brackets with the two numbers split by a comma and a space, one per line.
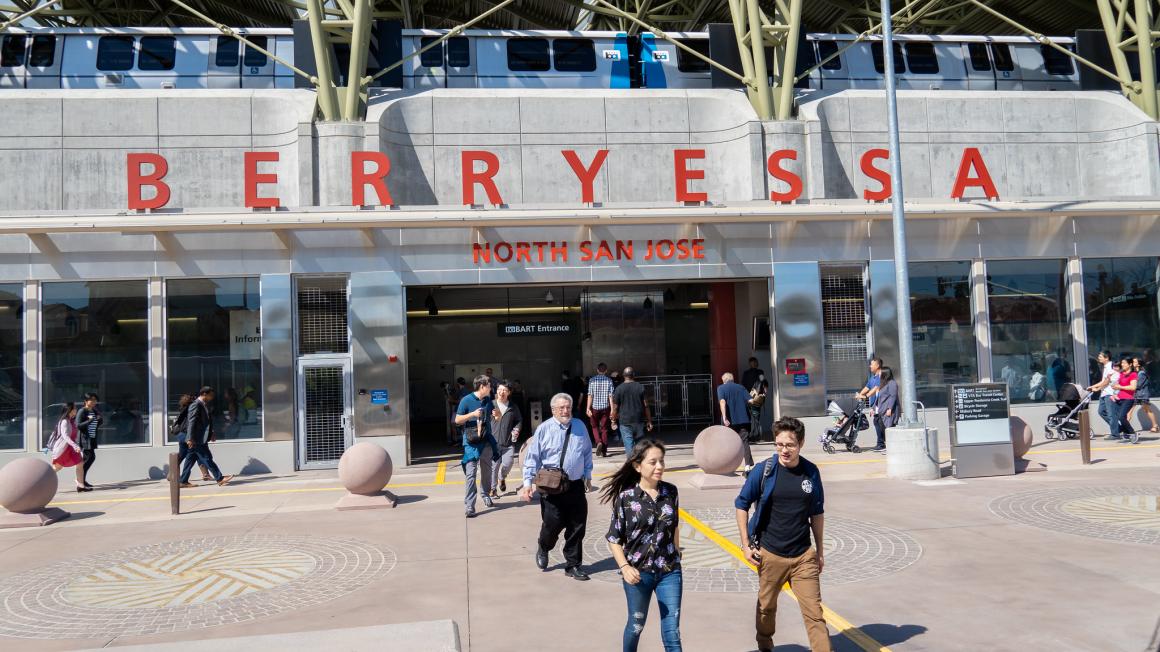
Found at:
[184, 585]
[855, 551]
[1127, 514]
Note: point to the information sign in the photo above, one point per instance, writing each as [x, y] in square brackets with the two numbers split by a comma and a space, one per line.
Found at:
[379, 397]
[980, 414]
[533, 328]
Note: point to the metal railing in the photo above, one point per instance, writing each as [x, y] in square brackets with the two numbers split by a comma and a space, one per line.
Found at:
[684, 399]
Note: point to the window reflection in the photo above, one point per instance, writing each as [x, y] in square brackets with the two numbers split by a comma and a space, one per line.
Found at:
[1122, 311]
[11, 367]
[95, 340]
[214, 338]
[944, 336]
[1029, 332]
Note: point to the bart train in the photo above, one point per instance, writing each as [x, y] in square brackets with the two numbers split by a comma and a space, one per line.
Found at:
[88, 58]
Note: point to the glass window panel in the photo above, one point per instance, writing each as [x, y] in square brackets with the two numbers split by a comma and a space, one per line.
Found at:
[826, 49]
[1029, 333]
[227, 55]
[11, 366]
[687, 62]
[574, 54]
[528, 54]
[944, 334]
[157, 53]
[1123, 315]
[255, 58]
[96, 340]
[43, 51]
[458, 52]
[880, 58]
[115, 53]
[213, 329]
[432, 58]
[1003, 59]
[979, 59]
[12, 51]
[920, 58]
[1056, 62]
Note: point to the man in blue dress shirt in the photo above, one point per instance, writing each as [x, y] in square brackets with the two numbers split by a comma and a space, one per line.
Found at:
[566, 511]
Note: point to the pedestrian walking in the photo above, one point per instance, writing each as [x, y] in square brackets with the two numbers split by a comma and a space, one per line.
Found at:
[178, 432]
[644, 538]
[599, 408]
[887, 409]
[63, 445]
[776, 538]
[474, 418]
[558, 461]
[754, 381]
[869, 393]
[199, 433]
[1125, 386]
[630, 414]
[573, 386]
[507, 421]
[735, 413]
[1107, 407]
[1143, 398]
[88, 422]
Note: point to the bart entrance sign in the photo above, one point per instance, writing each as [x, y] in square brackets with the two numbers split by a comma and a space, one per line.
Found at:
[980, 419]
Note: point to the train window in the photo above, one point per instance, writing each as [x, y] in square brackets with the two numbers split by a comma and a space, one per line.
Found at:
[979, 59]
[458, 52]
[1002, 54]
[687, 62]
[253, 58]
[879, 59]
[12, 51]
[825, 50]
[43, 52]
[227, 52]
[920, 58]
[157, 53]
[1057, 63]
[574, 55]
[432, 58]
[115, 53]
[528, 54]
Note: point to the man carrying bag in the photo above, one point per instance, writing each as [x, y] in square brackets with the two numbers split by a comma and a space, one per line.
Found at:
[558, 461]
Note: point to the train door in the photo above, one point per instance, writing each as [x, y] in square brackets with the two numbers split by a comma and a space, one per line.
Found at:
[225, 60]
[427, 70]
[1008, 75]
[576, 65]
[979, 69]
[284, 49]
[42, 68]
[13, 53]
[166, 61]
[257, 69]
[459, 62]
[116, 58]
[875, 77]
[833, 74]
[1045, 68]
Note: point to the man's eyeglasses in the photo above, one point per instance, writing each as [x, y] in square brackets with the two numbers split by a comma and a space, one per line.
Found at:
[561, 407]
[793, 446]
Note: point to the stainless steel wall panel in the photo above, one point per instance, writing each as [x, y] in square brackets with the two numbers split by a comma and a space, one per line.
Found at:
[796, 305]
[884, 312]
[278, 372]
[33, 356]
[378, 325]
[158, 426]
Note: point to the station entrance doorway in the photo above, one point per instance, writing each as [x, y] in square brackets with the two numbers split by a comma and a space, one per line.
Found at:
[545, 339]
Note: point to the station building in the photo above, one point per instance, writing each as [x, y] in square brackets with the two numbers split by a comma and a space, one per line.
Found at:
[329, 278]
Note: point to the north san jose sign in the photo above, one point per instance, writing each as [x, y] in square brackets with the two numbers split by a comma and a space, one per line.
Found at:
[478, 168]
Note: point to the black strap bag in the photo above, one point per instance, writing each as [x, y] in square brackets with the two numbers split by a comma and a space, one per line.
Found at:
[550, 480]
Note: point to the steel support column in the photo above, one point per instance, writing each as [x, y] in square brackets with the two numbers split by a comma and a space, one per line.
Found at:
[327, 94]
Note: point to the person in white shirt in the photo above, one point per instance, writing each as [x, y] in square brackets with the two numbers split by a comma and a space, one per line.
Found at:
[1108, 378]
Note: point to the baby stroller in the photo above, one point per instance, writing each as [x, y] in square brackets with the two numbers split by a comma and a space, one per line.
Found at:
[850, 419]
[1064, 423]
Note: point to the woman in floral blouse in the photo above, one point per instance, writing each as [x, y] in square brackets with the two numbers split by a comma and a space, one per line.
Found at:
[644, 539]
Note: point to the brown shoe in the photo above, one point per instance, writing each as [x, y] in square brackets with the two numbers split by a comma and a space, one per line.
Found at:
[187, 485]
[225, 480]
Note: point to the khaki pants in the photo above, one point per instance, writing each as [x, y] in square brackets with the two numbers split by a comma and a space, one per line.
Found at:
[804, 577]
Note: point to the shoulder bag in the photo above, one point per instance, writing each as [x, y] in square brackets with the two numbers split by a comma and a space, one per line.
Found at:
[553, 480]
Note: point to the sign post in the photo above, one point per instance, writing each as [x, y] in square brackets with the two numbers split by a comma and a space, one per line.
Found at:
[980, 420]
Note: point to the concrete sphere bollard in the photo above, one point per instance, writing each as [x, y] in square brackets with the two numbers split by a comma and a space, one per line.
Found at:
[718, 450]
[365, 468]
[1021, 437]
[27, 484]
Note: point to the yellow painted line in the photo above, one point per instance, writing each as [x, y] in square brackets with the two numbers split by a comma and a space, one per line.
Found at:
[441, 473]
[1120, 447]
[844, 627]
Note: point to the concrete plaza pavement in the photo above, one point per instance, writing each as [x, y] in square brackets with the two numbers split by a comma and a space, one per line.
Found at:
[1062, 560]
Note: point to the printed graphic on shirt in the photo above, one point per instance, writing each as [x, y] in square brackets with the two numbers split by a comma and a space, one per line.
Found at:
[807, 486]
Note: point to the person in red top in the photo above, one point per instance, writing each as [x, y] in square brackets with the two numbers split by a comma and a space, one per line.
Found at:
[1125, 398]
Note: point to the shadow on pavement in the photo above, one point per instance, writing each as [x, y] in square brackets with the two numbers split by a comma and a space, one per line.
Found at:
[207, 509]
[413, 498]
[80, 516]
[885, 634]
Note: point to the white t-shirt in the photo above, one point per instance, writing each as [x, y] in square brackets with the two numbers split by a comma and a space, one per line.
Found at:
[1111, 376]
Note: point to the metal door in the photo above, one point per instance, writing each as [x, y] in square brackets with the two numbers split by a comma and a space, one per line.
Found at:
[325, 416]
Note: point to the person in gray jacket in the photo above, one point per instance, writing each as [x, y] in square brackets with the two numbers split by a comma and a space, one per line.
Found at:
[507, 423]
[886, 408]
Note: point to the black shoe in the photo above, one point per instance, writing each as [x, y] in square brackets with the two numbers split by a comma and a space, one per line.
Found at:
[470, 514]
[878, 449]
[541, 559]
[576, 573]
[87, 485]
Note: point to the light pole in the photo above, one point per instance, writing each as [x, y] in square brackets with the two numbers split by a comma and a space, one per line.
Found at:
[901, 277]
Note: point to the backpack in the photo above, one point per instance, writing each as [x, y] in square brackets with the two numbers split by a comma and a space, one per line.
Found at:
[180, 423]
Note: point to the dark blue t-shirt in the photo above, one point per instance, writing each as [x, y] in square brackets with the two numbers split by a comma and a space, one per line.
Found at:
[471, 403]
[735, 398]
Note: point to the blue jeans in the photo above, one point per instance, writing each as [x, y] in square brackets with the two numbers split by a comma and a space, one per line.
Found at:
[668, 590]
[1108, 412]
[1122, 427]
[200, 455]
[629, 433]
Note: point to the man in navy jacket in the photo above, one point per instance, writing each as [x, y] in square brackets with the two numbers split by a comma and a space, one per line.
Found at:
[787, 490]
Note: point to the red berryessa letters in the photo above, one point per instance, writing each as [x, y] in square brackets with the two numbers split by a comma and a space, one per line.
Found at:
[137, 179]
[972, 172]
[252, 179]
[782, 174]
[360, 178]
